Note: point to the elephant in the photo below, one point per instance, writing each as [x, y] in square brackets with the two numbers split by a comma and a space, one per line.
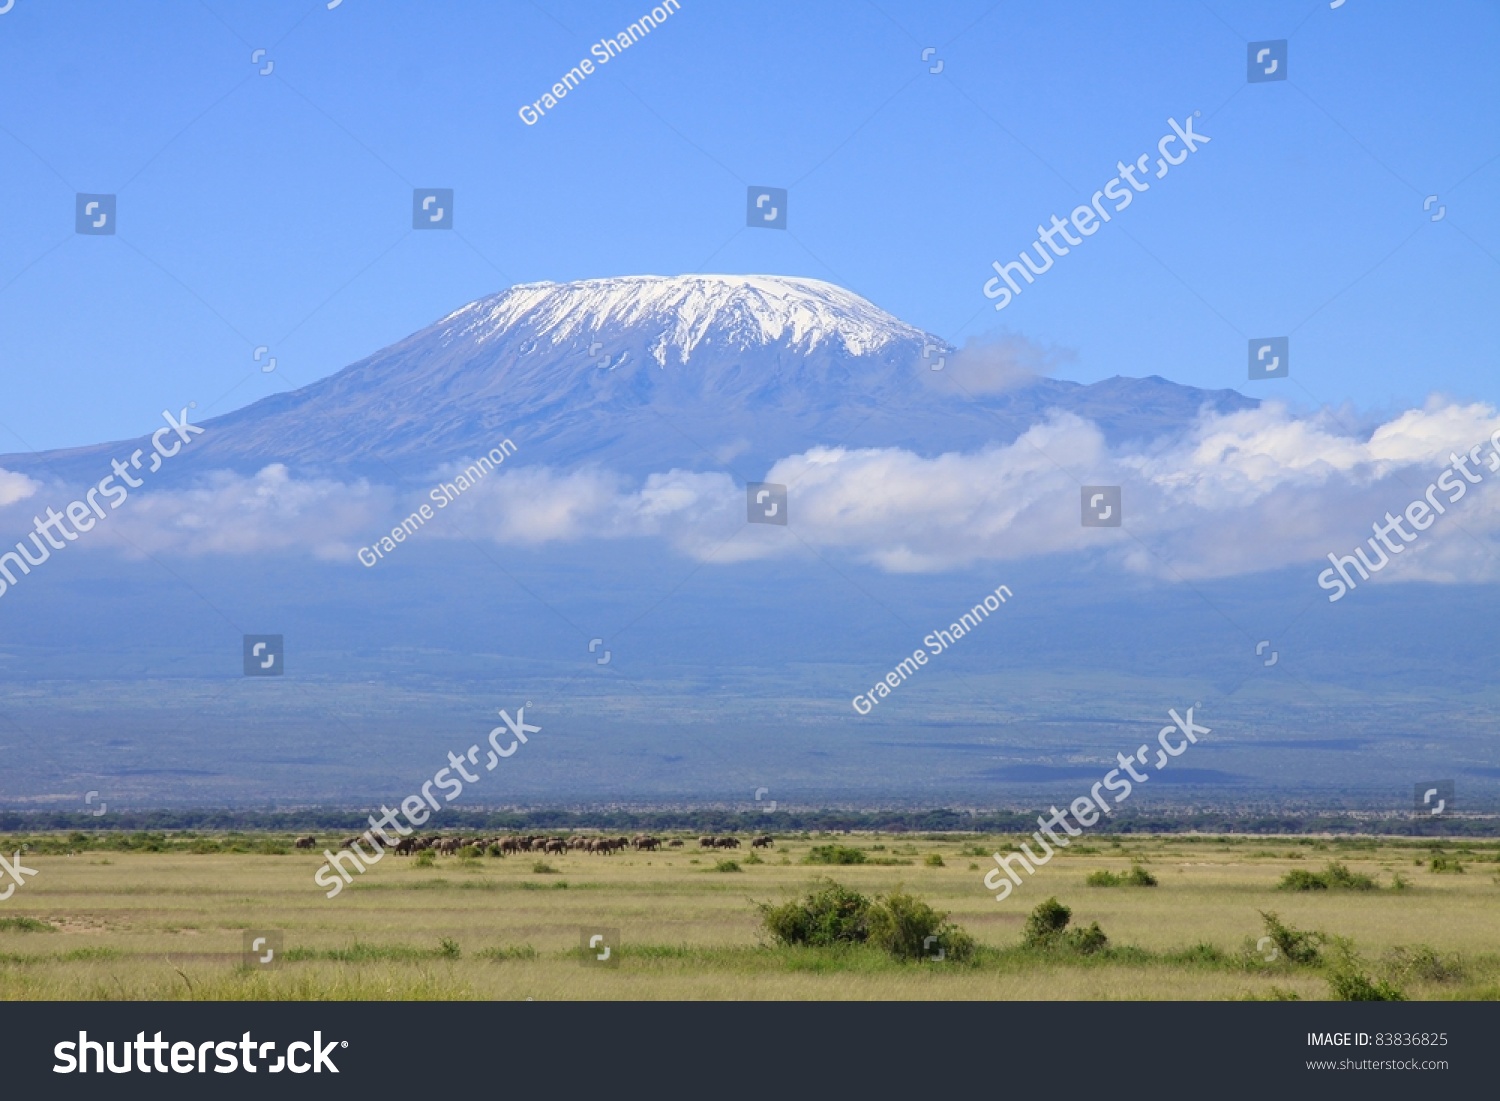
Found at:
[307, 842]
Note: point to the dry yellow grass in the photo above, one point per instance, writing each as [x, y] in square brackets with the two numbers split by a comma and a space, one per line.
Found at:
[170, 925]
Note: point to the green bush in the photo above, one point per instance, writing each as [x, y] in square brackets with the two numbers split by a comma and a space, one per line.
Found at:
[933, 860]
[1424, 964]
[1086, 941]
[1136, 877]
[900, 924]
[1335, 877]
[1293, 945]
[541, 867]
[1442, 864]
[1045, 923]
[1347, 981]
[25, 925]
[1047, 930]
[830, 915]
[726, 866]
[909, 929]
[426, 859]
[1300, 879]
[448, 949]
[834, 854]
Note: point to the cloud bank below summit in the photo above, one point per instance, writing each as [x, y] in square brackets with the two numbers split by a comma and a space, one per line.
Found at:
[1233, 494]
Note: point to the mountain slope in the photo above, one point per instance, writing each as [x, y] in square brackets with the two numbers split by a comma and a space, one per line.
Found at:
[644, 373]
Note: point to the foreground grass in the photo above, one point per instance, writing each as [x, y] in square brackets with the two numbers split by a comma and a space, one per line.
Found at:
[169, 922]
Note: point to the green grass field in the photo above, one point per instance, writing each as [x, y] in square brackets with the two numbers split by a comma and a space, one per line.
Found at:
[105, 920]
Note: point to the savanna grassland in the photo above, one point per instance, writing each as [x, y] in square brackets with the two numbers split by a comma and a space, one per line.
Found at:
[163, 916]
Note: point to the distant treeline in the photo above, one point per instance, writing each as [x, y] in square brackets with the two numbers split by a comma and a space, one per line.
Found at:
[710, 820]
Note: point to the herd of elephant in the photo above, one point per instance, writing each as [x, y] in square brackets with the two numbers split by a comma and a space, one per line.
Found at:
[603, 846]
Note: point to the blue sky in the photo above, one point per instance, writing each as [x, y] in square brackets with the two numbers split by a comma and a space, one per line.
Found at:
[276, 210]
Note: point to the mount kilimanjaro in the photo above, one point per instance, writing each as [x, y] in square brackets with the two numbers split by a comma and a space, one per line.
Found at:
[643, 373]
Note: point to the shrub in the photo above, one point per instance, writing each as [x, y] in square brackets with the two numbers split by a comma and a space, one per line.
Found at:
[834, 854]
[901, 924]
[1086, 941]
[1047, 930]
[25, 925]
[1045, 923]
[726, 866]
[1200, 953]
[1347, 981]
[830, 915]
[1443, 864]
[1293, 945]
[1335, 877]
[933, 860]
[469, 852]
[752, 857]
[541, 867]
[1341, 878]
[1136, 877]
[1423, 963]
[1300, 879]
[909, 929]
[448, 949]
[426, 859]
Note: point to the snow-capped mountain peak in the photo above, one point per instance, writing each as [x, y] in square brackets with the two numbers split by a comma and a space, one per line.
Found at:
[678, 314]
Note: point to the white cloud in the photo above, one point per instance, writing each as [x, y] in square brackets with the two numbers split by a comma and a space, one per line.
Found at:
[271, 511]
[15, 487]
[1233, 494]
[995, 364]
